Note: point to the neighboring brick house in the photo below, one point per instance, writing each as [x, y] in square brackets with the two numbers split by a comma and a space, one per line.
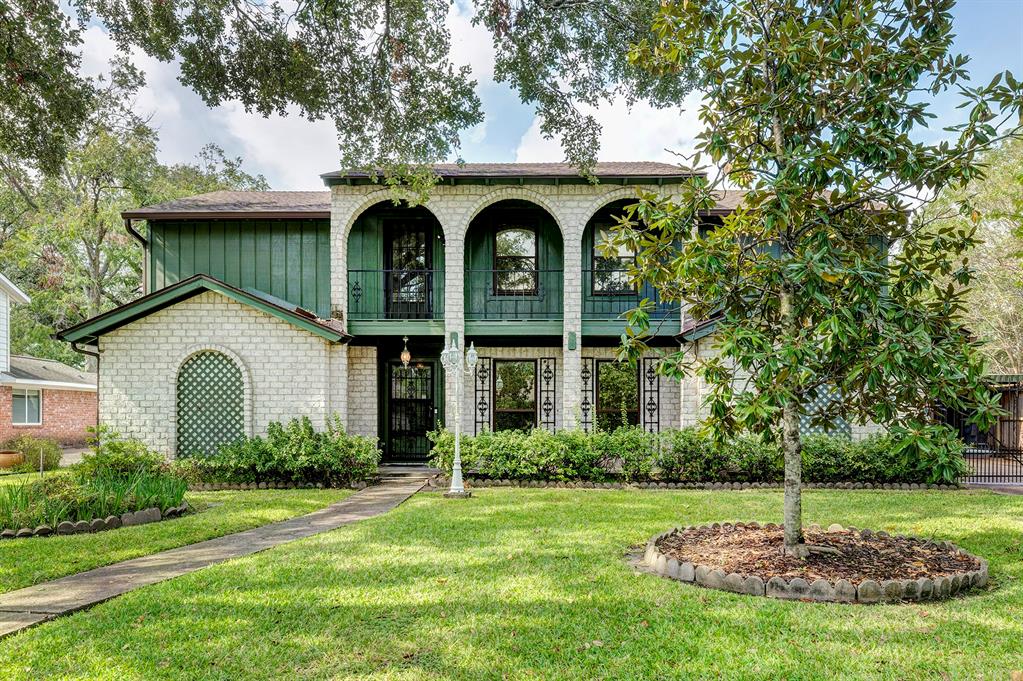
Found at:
[262, 306]
[40, 397]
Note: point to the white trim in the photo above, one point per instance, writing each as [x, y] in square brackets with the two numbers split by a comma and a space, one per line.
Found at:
[50, 385]
[34, 424]
[15, 293]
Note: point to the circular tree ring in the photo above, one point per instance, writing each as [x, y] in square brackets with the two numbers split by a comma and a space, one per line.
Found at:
[858, 566]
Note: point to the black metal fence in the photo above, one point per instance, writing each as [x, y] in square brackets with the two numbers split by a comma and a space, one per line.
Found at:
[994, 456]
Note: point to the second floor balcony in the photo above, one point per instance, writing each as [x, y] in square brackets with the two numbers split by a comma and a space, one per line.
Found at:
[395, 294]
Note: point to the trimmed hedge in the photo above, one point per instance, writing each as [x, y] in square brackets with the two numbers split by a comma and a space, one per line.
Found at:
[632, 455]
[295, 452]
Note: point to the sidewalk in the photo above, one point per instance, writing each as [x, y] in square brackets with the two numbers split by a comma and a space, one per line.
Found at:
[26, 607]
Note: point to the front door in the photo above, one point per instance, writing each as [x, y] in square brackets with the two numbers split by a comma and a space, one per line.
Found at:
[410, 411]
[409, 281]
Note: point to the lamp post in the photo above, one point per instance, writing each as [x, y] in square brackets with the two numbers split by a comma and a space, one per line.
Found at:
[457, 367]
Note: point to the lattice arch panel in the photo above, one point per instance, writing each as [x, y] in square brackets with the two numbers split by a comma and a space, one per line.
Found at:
[210, 403]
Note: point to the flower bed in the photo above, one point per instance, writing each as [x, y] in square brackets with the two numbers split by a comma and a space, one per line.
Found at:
[113, 484]
[142, 517]
[847, 565]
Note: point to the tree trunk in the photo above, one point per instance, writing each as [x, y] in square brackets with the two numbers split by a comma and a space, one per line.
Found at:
[792, 445]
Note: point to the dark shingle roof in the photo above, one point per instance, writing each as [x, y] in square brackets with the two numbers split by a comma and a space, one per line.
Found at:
[35, 369]
[240, 204]
[604, 169]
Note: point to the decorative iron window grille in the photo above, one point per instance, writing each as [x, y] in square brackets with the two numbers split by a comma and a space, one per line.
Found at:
[482, 395]
[586, 405]
[651, 396]
[548, 393]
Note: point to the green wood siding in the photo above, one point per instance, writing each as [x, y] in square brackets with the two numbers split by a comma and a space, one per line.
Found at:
[481, 302]
[289, 259]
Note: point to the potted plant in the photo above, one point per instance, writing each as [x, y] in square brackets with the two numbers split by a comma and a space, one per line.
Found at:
[9, 458]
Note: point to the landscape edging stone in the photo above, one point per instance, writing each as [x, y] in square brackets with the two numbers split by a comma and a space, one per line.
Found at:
[869, 591]
[66, 527]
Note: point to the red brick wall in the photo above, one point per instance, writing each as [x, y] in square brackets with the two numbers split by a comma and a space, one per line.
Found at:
[66, 415]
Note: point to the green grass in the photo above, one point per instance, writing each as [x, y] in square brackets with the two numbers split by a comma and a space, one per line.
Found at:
[24, 562]
[531, 584]
[18, 478]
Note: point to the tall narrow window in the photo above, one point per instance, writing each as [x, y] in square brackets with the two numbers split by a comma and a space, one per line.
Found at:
[617, 395]
[515, 256]
[27, 407]
[610, 272]
[514, 395]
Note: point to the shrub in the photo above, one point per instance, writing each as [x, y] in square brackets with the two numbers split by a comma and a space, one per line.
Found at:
[115, 456]
[295, 452]
[687, 455]
[31, 447]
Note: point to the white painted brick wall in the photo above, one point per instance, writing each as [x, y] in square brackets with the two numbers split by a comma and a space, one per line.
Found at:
[287, 369]
[362, 391]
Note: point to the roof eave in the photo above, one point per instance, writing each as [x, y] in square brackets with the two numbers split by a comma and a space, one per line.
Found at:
[13, 292]
[143, 214]
[89, 331]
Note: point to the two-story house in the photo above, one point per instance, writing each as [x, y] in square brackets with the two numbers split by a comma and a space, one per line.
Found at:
[263, 306]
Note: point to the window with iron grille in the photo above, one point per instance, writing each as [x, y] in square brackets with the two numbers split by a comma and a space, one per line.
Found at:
[617, 395]
[514, 394]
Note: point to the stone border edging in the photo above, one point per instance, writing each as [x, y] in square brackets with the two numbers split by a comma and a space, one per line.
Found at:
[112, 522]
[238, 486]
[868, 591]
[440, 481]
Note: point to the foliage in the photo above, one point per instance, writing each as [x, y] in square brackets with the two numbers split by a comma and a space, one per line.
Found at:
[63, 240]
[689, 455]
[58, 498]
[31, 447]
[115, 456]
[295, 452]
[994, 304]
[820, 280]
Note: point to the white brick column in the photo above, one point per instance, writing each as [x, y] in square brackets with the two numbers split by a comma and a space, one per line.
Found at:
[572, 334]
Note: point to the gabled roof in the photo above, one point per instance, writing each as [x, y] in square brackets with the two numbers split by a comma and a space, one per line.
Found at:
[90, 330]
[13, 292]
[238, 205]
[604, 170]
[33, 371]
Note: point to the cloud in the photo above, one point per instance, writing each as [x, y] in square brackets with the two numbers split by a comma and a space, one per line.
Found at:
[642, 133]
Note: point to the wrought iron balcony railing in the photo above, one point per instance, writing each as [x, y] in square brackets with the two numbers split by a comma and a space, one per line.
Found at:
[514, 294]
[608, 295]
[395, 294]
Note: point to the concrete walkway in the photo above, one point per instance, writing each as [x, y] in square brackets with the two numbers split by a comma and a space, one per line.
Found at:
[26, 607]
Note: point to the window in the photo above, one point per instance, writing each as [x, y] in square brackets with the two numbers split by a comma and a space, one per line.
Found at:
[515, 261]
[27, 407]
[617, 395]
[514, 395]
[610, 273]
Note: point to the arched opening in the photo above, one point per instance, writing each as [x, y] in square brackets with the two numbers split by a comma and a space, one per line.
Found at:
[514, 264]
[395, 264]
[210, 403]
[608, 291]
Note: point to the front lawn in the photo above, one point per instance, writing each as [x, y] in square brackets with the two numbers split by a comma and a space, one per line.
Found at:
[24, 562]
[531, 584]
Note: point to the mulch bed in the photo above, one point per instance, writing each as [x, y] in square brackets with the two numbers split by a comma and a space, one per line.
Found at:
[866, 555]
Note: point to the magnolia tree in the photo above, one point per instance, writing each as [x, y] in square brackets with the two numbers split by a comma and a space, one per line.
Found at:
[821, 281]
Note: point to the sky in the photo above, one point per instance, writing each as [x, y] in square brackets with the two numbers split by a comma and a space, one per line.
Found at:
[292, 152]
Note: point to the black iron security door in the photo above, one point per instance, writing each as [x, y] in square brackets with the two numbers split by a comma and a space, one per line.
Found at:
[411, 411]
